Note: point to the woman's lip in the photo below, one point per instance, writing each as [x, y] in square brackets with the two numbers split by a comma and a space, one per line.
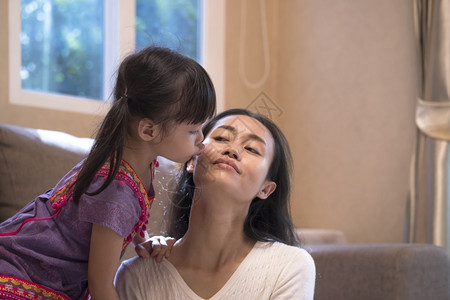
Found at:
[226, 166]
[229, 164]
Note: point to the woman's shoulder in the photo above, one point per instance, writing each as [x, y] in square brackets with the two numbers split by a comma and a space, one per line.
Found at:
[128, 279]
[289, 260]
[135, 267]
[280, 247]
[288, 271]
[143, 265]
[130, 263]
[280, 252]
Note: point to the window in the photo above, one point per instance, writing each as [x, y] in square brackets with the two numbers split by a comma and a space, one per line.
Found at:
[174, 24]
[63, 53]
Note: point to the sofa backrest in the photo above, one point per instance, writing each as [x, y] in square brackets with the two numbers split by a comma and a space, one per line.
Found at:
[32, 161]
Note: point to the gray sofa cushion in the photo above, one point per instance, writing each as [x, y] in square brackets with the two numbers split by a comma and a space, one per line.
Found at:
[32, 161]
[381, 271]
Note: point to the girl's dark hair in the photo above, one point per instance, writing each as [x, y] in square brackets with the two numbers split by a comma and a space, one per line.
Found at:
[268, 219]
[155, 83]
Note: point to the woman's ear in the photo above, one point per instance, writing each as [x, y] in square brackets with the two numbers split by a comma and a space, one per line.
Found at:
[148, 130]
[266, 190]
[190, 166]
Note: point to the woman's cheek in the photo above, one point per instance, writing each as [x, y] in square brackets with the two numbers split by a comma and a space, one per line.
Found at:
[201, 170]
[263, 169]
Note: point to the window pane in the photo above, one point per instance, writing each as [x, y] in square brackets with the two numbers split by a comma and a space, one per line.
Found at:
[174, 24]
[62, 47]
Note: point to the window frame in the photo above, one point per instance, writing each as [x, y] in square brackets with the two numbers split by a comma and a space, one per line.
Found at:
[119, 41]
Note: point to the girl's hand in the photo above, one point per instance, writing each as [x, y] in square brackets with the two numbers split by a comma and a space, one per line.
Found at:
[156, 246]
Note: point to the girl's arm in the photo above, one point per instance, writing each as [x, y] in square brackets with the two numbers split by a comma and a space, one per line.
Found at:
[104, 259]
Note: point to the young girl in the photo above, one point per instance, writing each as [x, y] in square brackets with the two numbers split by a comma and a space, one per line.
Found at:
[74, 234]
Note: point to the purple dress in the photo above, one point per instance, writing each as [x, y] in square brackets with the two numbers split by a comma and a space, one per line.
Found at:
[47, 242]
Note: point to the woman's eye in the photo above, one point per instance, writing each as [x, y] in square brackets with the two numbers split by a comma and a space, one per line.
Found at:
[252, 150]
[220, 139]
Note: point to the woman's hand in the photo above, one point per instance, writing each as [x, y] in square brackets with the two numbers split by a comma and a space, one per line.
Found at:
[158, 247]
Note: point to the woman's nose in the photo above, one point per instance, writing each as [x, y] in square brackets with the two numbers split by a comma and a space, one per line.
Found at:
[232, 153]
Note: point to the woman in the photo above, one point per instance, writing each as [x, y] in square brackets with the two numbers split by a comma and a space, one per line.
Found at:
[231, 219]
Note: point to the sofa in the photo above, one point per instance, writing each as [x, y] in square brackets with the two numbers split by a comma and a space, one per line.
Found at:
[33, 160]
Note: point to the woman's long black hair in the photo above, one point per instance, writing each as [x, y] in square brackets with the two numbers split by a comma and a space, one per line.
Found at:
[155, 83]
[268, 219]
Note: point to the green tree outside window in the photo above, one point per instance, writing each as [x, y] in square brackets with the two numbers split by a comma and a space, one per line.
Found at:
[62, 41]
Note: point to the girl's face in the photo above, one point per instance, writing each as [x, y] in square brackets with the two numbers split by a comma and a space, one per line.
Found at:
[238, 154]
[181, 143]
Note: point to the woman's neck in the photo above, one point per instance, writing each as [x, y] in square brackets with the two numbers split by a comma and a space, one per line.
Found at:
[215, 245]
[216, 233]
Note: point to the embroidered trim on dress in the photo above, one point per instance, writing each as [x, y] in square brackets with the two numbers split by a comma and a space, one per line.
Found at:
[17, 289]
[129, 176]
[126, 174]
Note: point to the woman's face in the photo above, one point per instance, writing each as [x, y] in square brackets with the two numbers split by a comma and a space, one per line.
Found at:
[237, 156]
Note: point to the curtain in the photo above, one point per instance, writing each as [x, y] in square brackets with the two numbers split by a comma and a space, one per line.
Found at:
[429, 204]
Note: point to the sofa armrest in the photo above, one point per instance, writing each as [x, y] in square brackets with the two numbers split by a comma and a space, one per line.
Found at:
[381, 271]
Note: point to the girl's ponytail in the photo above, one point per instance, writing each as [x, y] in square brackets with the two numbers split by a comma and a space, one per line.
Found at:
[108, 145]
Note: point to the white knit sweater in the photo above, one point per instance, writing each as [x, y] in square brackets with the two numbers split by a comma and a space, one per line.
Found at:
[270, 271]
